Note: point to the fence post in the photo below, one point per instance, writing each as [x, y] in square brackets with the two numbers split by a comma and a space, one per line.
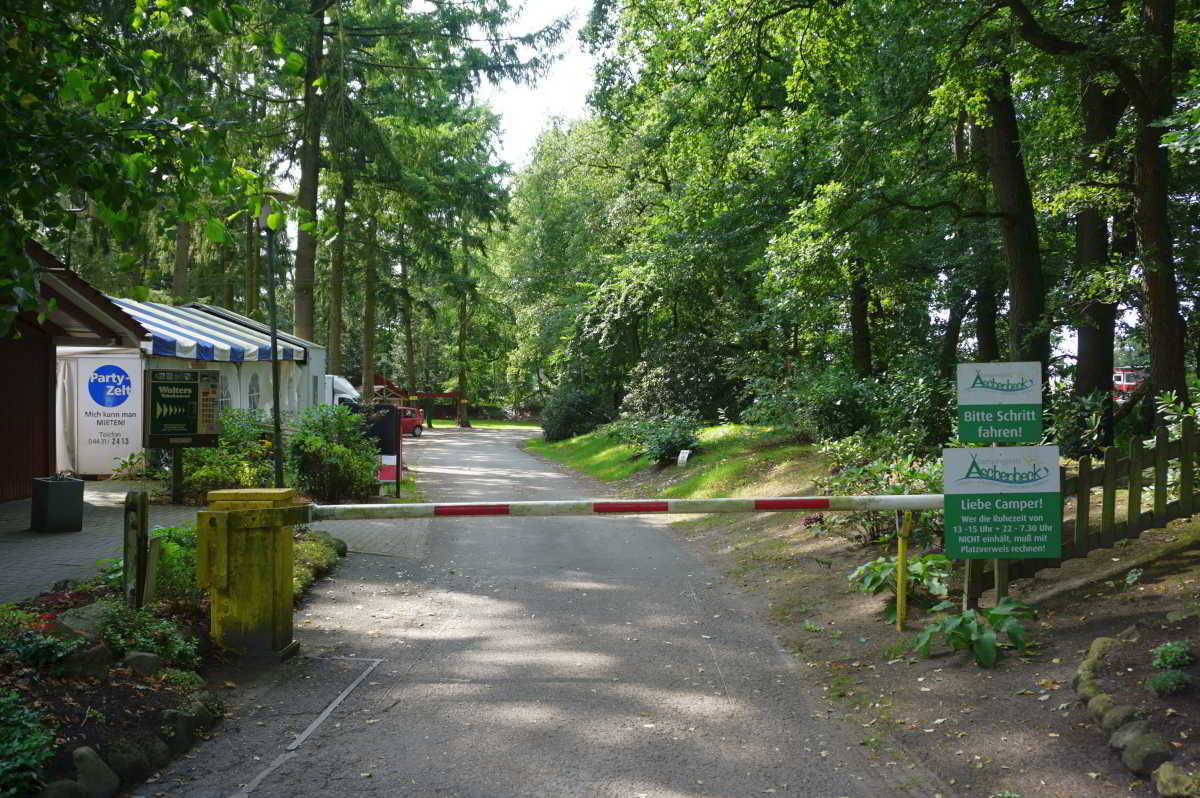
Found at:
[1187, 462]
[244, 558]
[136, 549]
[1108, 501]
[1161, 439]
[1134, 504]
[1083, 506]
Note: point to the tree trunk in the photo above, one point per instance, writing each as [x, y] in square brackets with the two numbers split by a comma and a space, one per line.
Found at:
[183, 251]
[406, 310]
[370, 288]
[227, 278]
[959, 303]
[1151, 166]
[1029, 334]
[463, 308]
[337, 271]
[1102, 111]
[252, 262]
[310, 172]
[987, 300]
[860, 330]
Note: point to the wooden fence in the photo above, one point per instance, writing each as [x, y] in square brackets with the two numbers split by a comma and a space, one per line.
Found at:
[1113, 498]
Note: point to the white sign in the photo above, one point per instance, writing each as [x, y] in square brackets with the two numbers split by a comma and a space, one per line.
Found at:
[1011, 469]
[108, 411]
[1000, 383]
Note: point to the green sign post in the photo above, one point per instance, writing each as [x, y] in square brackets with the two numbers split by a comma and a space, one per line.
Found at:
[182, 408]
[1000, 402]
[1003, 503]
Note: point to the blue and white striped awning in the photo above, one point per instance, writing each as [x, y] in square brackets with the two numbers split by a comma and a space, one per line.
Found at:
[193, 334]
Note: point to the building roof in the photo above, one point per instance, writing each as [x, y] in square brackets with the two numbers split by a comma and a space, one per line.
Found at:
[253, 324]
[81, 315]
[193, 333]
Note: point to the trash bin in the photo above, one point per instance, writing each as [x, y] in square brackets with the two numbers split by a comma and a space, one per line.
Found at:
[57, 504]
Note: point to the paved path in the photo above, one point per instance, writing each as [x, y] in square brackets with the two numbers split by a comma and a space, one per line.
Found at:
[529, 657]
[33, 561]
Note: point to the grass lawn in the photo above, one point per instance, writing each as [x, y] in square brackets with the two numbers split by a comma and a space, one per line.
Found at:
[728, 458]
[487, 423]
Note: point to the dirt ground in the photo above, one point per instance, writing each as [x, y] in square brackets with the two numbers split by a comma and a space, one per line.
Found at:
[1015, 731]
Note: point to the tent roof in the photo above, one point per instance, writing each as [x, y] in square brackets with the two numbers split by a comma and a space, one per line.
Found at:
[190, 332]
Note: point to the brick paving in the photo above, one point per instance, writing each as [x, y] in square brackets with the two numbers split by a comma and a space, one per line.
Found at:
[30, 562]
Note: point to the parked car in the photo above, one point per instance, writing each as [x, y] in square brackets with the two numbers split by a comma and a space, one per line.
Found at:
[412, 421]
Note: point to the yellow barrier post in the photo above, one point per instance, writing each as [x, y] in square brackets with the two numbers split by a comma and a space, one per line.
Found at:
[902, 570]
[244, 558]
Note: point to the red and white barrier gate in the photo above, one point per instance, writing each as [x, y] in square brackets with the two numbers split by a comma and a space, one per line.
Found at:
[351, 512]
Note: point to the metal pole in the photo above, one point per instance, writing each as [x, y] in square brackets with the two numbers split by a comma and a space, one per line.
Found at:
[277, 439]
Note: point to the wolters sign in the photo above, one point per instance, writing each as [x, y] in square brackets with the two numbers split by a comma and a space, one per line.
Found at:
[1003, 503]
[999, 402]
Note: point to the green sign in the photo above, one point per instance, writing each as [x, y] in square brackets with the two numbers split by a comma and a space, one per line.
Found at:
[182, 407]
[1003, 503]
[1000, 402]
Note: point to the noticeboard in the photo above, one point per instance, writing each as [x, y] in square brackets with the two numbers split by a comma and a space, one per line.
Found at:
[1000, 402]
[182, 408]
[108, 411]
[1003, 503]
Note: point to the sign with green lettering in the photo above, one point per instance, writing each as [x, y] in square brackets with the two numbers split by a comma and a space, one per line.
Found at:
[182, 407]
[1003, 502]
[1000, 402]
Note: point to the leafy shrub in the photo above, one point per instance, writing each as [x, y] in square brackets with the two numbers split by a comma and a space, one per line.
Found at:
[927, 577]
[573, 410]
[176, 579]
[241, 459]
[1169, 682]
[333, 455]
[658, 438]
[181, 679]
[862, 465]
[832, 404]
[125, 630]
[136, 467]
[1074, 423]
[13, 621]
[687, 375]
[39, 650]
[25, 745]
[978, 631]
[1174, 654]
[315, 554]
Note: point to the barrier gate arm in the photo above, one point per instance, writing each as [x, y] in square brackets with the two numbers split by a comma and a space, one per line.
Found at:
[354, 512]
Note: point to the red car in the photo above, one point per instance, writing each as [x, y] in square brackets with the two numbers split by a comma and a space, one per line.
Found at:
[412, 421]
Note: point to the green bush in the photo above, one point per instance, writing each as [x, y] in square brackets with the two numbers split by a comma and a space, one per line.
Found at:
[979, 631]
[830, 404]
[13, 621]
[1175, 654]
[658, 438]
[39, 650]
[177, 566]
[927, 577]
[332, 454]
[125, 630]
[685, 376]
[1169, 682]
[241, 459]
[572, 410]
[181, 679]
[873, 465]
[25, 745]
[1074, 423]
[315, 555]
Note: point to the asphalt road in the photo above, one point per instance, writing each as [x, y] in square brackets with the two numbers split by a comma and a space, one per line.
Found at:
[531, 657]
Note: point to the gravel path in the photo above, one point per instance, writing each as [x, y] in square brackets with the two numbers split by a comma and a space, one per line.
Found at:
[529, 657]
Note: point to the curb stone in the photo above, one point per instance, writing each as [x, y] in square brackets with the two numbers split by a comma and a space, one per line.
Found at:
[1143, 752]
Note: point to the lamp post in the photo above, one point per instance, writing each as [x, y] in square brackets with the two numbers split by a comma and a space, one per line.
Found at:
[277, 433]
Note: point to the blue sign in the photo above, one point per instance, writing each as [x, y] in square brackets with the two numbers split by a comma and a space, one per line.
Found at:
[110, 386]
